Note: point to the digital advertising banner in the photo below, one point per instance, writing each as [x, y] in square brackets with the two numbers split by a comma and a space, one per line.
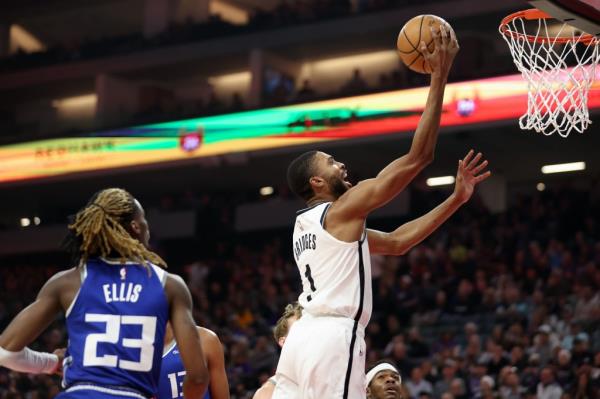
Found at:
[396, 112]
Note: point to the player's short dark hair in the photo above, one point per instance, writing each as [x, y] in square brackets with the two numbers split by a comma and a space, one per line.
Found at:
[299, 173]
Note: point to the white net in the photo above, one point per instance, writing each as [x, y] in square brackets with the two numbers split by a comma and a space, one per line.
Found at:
[558, 72]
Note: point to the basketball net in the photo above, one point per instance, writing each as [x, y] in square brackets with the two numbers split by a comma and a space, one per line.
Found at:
[559, 66]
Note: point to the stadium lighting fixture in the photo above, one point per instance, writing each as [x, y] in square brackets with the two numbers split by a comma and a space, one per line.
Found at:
[563, 167]
[440, 181]
[37, 221]
[25, 222]
[267, 190]
[540, 186]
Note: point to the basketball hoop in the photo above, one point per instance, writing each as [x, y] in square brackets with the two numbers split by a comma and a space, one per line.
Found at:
[559, 65]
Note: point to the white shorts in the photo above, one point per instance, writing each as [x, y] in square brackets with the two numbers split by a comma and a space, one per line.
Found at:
[323, 357]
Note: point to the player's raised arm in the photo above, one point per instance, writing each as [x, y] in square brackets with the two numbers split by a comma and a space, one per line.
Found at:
[188, 340]
[28, 325]
[412, 233]
[374, 193]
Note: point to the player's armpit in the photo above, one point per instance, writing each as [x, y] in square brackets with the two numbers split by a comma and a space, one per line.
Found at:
[187, 337]
[213, 350]
[35, 318]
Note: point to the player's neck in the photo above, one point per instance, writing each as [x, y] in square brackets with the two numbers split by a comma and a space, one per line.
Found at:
[320, 199]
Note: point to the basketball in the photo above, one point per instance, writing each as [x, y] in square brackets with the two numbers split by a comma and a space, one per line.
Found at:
[412, 33]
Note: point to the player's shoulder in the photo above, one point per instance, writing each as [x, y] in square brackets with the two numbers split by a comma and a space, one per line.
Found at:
[64, 276]
[266, 391]
[207, 333]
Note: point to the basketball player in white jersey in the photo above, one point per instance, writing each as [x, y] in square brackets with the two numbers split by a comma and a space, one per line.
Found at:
[324, 355]
[291, 314]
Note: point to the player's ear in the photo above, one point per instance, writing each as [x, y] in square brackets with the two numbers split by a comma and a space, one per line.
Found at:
[134, 227]
[281, 341]
[368, 392]
[317, 182]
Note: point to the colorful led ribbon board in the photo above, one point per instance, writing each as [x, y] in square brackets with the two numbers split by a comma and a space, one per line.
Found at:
[485, 100]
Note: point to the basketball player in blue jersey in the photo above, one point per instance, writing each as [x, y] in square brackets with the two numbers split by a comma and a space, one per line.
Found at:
[172, 371]
[117, 302]
[324, 354]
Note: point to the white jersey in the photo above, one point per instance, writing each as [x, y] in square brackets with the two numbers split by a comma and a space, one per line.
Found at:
[336, 275]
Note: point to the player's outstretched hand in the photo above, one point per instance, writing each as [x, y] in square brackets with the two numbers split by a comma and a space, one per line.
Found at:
[61, 355]
[446, 47]
[470, 173]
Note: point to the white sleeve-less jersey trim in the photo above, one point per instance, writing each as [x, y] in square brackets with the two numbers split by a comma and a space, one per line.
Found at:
[336, 275]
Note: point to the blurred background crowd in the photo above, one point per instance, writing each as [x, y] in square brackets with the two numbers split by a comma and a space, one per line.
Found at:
[491, 306]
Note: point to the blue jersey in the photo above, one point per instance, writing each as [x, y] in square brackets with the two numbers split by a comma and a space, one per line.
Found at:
[116, 326]
[171, 375]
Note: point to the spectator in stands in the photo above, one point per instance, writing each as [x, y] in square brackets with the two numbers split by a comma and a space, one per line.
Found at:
[417, 384]
[457, 389]
[448, 374]
[417, 347]
[356, 85]
[510, 387]
[548, 388]
[542, 345]
[306, 92]
[487, 388]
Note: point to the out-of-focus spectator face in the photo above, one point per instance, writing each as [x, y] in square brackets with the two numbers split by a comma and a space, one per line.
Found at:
[470, 329]
[512, 379]
[498, 351]
[426, 367]
[449, 371]
[447, 395]
[516, 354]
[416, 374]
[487, 383]
[546, 376]
[457, 387]
[587, 292]
[399, 351]
[542, 338]
[512, 293]
[478, 370]
[474, 345]
[564, 358]
[465, 288]
[393, 324]
[413, 334]
[440, 299]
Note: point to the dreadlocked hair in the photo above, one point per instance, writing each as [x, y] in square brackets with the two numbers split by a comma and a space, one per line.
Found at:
[98, 229]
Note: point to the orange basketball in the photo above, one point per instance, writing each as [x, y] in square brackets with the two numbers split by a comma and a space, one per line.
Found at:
[413, 32]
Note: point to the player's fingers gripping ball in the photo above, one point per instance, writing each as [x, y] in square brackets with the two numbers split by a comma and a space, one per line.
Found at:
[431, 30]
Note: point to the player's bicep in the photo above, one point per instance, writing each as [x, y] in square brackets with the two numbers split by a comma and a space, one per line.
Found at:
[374, 193]
[381, 243]
[34, 319]
[184, 328]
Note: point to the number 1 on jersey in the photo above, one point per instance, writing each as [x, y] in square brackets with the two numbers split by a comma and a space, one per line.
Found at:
[308, 275]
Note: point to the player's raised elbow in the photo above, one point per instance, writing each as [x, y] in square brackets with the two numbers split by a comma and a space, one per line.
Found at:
[421, 159]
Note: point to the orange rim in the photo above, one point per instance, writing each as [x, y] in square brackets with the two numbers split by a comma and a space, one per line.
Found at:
[533, 14]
